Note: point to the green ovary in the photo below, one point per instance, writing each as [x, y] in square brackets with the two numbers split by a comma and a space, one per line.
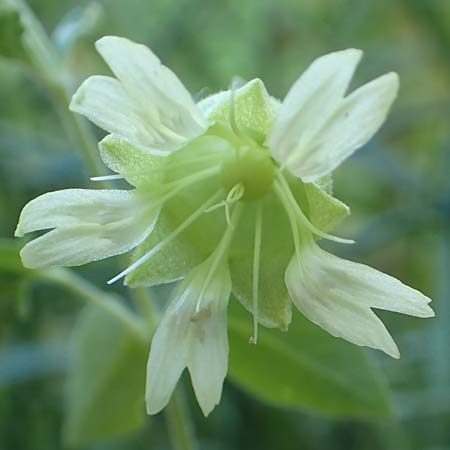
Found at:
[252, 167]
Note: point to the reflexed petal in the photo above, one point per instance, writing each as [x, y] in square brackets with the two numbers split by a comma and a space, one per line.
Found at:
[357, 119]
[338, 296]
[311, 101]
[105, 102]
[162, 99]
[89, 225]
[194, 339]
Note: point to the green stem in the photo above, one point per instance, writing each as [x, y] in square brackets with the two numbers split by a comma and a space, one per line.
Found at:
[89, 292]
[181, 432]
[78, 130]
[45, 61]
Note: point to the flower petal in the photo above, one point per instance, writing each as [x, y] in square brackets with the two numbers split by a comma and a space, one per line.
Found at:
[192, 334]
[104, 101]
[90, 225]
[311, 101]
[338, 296]
[357, 119]
[168, 354]
[208, 357]
[164, 103]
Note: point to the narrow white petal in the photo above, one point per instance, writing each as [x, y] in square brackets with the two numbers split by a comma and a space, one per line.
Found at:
[338, 296]
[104, 101]
[357, 119]
[168, 354]
[208, 357]
[193, 334]
[313, 98]
[163, 100]
[89, 225]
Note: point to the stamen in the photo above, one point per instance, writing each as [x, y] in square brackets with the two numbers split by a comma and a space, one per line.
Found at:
[256, 265]
[292, 222]
[194, 216]
[183, 183]
[220, 253]
[282, 188]
[165, 168]
[235, 194]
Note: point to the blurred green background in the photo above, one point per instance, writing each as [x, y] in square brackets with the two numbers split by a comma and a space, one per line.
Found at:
[398, 187]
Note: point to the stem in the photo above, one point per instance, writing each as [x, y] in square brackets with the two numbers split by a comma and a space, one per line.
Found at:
[77, 129]
[45, 61]
[86, 290]
[181, 433]
[46, 64]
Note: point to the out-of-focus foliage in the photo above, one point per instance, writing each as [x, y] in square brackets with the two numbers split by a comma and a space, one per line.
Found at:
[398, 188]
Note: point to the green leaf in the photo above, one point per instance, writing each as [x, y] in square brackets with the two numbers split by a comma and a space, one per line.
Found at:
[305, 368]
[105, 388]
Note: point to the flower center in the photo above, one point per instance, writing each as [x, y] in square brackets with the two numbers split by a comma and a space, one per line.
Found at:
[250, 166]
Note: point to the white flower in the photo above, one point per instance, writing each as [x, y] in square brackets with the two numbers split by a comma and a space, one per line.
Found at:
[243, 153]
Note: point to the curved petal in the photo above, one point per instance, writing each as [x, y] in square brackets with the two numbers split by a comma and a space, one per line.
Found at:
[89, 225]
[193, 334]
[358, 118]
[104, 101]
[338, 296]
[165, 105]
[313, 98]
[72, 207]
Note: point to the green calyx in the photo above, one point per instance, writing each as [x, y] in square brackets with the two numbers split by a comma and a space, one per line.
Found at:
[251, 167]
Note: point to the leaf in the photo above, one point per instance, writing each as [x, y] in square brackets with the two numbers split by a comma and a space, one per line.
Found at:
[305, 368]
[105, 388]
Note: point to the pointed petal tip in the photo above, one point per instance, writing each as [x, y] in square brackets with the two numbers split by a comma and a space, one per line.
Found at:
[18, 233]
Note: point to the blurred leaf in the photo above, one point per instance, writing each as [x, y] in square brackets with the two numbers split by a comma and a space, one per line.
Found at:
[11, 30]
[79, 22]
[305, 368]
[105, 391]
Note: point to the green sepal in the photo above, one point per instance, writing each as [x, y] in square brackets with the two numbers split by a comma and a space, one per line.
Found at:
[254, 109]
[124, 158]
[274, 304]
[322, 209]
